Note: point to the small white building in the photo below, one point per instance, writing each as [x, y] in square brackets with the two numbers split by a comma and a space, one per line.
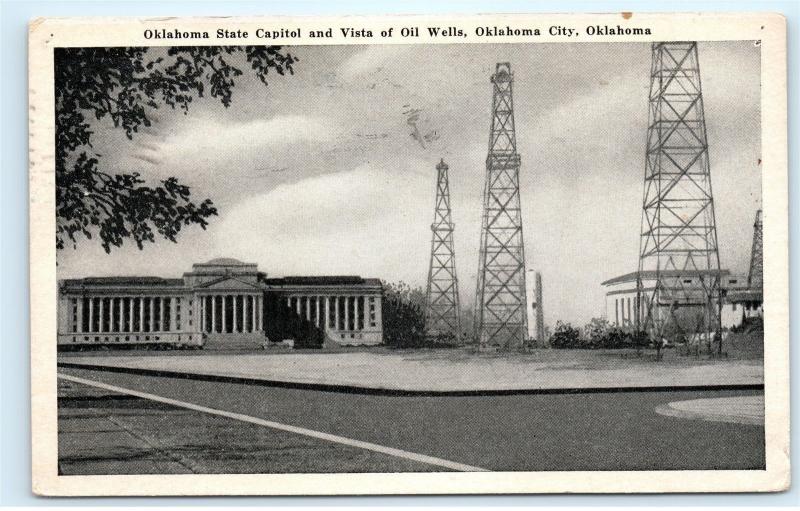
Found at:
[620, 296]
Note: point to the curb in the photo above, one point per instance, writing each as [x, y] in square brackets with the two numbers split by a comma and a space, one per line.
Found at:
[378, 391]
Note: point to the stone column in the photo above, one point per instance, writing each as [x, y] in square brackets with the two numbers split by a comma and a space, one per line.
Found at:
[327, 313]
[355, 312]
[243, 313]
[141, 314]
[121, 307]
[224, 314]
[161, 314]
[100, 314]
[79, 325]
[297, 304]
[91, 315]
[173, 323]
[316, 311]
[308, 307]
[346, 313]
[213, 313]
[259, 313]
[252, 314]
[152, 313]
[256, 314]
[246, 304]
[203, 311]
[130, 314]
[110, 314]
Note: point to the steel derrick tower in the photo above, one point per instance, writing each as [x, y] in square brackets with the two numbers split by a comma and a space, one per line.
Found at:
[500, 302]
[678, 283]
[755, 277]
[442, 308]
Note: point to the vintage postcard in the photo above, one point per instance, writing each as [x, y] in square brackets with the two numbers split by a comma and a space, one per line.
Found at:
[409, 254]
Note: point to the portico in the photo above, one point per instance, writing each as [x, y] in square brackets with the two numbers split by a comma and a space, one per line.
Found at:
[229, 296]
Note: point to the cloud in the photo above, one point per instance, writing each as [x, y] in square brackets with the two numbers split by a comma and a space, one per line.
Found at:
[369, 221]
[279, 133]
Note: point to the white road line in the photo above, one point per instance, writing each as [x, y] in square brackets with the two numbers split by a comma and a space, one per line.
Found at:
[399, 453]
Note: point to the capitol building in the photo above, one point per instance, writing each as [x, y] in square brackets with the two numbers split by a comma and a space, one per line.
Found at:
[221, 304]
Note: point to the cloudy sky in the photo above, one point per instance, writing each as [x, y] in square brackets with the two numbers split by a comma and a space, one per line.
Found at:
[319, 173]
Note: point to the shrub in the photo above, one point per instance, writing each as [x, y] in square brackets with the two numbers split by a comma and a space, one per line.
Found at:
[615, 338]
[403, 316]
[565, 336]
[595, 332]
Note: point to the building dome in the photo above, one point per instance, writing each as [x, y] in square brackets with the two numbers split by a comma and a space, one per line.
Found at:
[224, 261]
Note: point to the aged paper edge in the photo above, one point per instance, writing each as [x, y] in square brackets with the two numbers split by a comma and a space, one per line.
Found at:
[770, 29]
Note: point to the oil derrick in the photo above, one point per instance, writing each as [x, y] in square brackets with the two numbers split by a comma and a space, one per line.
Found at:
[442, 316]
[500, 302]
[678, 283]
[755, 278]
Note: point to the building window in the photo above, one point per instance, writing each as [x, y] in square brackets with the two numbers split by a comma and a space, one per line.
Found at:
[734, 307]
[687, 281]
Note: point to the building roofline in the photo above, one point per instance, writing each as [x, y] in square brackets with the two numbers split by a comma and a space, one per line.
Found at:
[133, 280]
[745, 295]
[322, 281]
[650, 274]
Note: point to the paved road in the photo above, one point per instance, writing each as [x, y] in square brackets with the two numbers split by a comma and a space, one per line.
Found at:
[533, 432]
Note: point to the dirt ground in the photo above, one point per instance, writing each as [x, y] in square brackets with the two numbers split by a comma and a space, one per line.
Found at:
[447, 369]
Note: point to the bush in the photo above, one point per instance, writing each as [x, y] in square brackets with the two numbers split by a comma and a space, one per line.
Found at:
[403, 316]
[749, 325]
[615, 338]
[565, 336]
[595, 332]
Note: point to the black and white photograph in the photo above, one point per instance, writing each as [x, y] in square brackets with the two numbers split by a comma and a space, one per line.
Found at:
[471, 256]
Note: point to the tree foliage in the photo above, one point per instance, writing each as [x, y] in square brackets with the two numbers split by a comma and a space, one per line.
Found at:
[565, 336]
[124, 86]
[403, 315]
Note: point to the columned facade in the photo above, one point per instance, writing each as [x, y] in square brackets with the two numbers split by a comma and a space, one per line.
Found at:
[220, 304]
[125, 310]
[347, 309]
[230, 313]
